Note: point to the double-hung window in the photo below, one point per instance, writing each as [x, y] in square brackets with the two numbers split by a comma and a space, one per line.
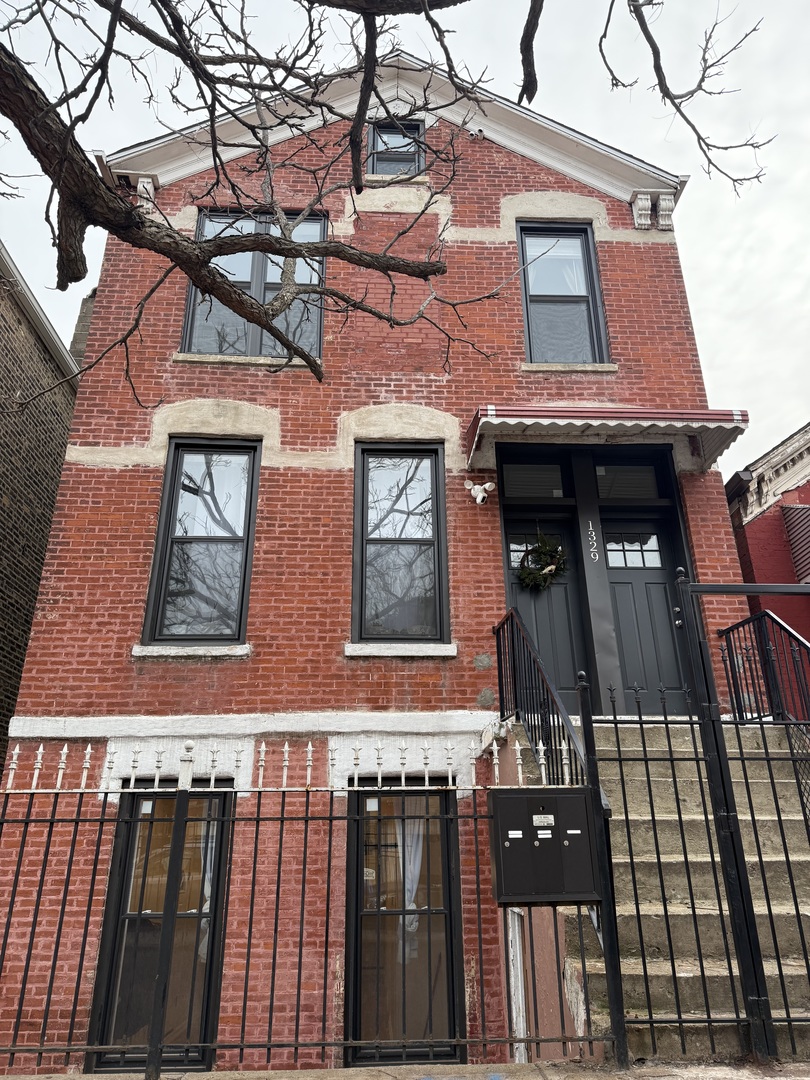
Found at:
[562, 300]
[201, 569]
[395, 149]
[400, 551]
[213, 328]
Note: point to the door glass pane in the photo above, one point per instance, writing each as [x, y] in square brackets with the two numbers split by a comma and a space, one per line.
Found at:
[404, 940]
[400, 498]
[400, 590]
[142, 924]
[213, 495]
[633, 549]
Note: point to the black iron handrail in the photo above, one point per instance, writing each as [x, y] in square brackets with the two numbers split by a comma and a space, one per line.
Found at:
[529, 696]
[767, 668]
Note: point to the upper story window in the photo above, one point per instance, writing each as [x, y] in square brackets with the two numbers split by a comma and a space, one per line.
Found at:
[201, 567]
[395, 149]
[213, 328]
[562, 300]
[400, 552]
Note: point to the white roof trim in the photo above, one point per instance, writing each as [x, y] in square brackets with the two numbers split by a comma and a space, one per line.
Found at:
[36, 316]
[182, 154]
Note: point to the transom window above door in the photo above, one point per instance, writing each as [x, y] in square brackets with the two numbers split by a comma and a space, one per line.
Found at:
[563, 303]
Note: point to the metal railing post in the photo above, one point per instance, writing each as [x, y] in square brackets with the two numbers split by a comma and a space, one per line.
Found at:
[729, 839]
[610, 929]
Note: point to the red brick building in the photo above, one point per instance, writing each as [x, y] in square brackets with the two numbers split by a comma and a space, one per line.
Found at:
[769, 502]
[256, 558]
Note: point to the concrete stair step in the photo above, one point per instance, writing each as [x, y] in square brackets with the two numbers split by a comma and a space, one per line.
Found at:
[700, 878]
[773, 833]
[698, 986]
[684, 933]
[752, 738]
[760, 796]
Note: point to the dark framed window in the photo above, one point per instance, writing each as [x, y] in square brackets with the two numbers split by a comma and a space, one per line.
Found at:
[404, 990]
[162, 929]
[562, 299]
[400, 573]
[201, 569]
[396, 148]
[213, 328]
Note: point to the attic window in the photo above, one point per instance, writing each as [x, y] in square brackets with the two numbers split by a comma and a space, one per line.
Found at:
[395, 149]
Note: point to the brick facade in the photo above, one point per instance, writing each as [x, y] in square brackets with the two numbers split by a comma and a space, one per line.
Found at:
[32, 447]
[86, 675]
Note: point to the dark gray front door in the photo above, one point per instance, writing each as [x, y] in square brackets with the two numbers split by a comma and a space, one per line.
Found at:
[552, 615]
[641, 577]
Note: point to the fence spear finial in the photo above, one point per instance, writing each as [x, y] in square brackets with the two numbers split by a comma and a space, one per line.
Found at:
[11, 767]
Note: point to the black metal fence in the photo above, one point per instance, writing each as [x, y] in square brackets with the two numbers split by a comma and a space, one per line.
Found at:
[186, 924]
[767, 669]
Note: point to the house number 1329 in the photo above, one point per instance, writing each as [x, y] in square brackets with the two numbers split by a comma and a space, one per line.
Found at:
[592, 545]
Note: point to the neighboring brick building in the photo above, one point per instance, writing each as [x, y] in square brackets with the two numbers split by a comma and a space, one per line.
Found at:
[770, 512]
[257, 558]
[32, 449]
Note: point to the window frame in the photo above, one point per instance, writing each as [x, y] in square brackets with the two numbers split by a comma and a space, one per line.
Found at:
[413, 128]
[257, 287]
[434, 451]
[155, 603]
[114, 917]
[596, 311]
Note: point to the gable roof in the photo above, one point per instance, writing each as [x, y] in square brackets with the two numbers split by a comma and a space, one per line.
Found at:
[181, 154]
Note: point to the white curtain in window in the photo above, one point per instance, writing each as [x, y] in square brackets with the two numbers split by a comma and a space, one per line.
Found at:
[208, 838]
[410, 842]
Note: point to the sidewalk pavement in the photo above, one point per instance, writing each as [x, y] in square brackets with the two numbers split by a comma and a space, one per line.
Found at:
[540, 1071]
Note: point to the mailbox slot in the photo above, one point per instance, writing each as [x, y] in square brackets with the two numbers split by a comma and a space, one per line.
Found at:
[542, 843]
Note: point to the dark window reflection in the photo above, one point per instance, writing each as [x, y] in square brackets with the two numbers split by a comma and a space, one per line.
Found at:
[214, 328]
[405, 970]
[400, 575]
[141, 926]
[202, 576]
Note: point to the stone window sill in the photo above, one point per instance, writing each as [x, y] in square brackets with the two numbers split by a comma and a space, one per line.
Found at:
[402, 649]
[384, 179]
[593, 369]
[274, 362]
[191, 652]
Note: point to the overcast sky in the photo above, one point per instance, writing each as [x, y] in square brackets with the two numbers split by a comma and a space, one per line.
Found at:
[746, 259]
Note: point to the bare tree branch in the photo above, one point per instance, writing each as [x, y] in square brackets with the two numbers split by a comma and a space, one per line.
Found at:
[286, 130]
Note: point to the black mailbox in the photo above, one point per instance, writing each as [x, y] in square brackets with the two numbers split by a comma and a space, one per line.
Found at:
[542, 842]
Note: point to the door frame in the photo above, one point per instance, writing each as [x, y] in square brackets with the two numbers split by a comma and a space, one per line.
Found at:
[123, 848]
[580, 499]
[456, 1049]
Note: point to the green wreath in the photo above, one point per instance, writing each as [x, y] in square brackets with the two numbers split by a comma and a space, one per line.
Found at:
[541, 565]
